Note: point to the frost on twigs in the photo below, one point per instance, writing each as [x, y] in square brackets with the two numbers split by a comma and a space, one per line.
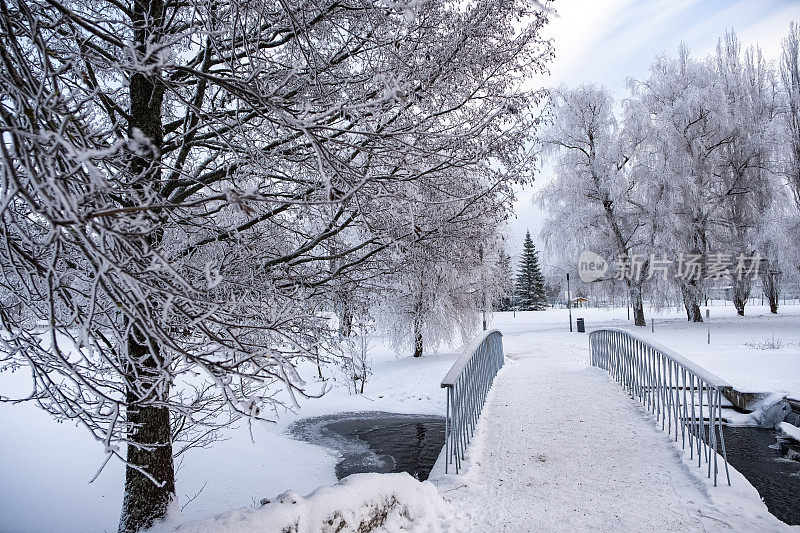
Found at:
[699, 162]
[770, 343]
[187, 194]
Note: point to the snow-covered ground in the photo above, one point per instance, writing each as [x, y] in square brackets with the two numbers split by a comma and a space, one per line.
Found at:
[45, 467]
[395, 502]
[737, 351]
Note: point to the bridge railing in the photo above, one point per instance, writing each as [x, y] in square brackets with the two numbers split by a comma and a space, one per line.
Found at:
[684, 397]
[467, 383]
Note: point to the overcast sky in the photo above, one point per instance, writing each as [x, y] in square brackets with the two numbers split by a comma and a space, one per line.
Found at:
[606, 41]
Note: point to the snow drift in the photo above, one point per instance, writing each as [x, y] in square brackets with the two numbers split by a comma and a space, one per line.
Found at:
[359, 503]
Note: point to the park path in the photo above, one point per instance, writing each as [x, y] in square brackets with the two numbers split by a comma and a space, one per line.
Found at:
[560, 447]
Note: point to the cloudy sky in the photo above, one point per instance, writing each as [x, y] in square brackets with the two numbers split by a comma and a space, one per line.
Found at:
[607, 41]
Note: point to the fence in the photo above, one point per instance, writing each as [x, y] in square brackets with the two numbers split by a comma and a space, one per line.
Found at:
[671, 387]
[467, 383]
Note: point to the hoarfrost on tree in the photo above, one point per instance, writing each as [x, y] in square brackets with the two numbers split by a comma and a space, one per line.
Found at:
[189, 187]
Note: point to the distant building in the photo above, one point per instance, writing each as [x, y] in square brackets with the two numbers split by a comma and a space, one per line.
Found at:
[580, 301]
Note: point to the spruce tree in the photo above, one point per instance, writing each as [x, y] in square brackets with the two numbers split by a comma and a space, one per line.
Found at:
[530, 293]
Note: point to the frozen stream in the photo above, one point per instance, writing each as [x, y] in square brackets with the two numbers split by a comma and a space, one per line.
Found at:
[376, 441]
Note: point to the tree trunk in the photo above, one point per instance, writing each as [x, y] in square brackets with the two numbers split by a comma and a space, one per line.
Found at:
[690, 293]
[149, 455]
[417, 337]
[770, 284]
[418, 312]
[741, 292]
[149, 444]
[345, 320]
[637, 303]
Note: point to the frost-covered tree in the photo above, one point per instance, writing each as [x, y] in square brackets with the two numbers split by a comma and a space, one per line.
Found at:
[712, 126]
[529, 291]
[597, 199]
[505, 276]
[680, 100]
[434, 295]
[748, 114]
[688, 180]
[789, 119]
[439, 281]
[790, 81]
[175, 177]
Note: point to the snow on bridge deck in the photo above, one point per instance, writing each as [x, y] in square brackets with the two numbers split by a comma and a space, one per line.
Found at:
[561, 447]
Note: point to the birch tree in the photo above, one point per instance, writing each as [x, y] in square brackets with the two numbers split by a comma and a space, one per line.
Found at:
[790, 143]
[746, 172]
[679, 99]
[713, 121]
[505, 274]
[442, 279]
[790, 80]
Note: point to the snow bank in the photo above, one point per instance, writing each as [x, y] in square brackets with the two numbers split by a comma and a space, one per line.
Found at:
[768, 412]
[790, 431]
[359, 503]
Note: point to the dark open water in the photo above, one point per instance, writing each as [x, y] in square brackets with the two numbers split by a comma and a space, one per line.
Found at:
[756, 453]
[377, 441]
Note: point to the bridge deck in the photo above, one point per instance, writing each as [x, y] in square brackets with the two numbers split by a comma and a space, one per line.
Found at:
[562, 447]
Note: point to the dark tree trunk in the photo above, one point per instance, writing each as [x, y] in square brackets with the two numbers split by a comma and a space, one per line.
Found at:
[741, 292]
[417, 337]
[149, 443]
[770, 284]
[149, 455]
[739, 303]
[418, 312]
[637, 303]
[695, 313]
[345, 321]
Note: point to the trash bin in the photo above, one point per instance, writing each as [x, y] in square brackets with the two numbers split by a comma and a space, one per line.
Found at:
[581, 327]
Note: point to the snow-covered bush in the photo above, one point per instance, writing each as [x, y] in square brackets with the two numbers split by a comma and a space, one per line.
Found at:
[770, 343]
[357, 365]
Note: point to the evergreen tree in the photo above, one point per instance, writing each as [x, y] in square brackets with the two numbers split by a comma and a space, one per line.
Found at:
[530, 293]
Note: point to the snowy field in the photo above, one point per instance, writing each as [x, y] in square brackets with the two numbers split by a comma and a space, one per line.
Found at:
[45, 467]
[741, 347]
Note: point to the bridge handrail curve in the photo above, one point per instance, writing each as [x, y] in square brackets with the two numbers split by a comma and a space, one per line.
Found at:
[467, 383]
[673, 388]
[697, 370]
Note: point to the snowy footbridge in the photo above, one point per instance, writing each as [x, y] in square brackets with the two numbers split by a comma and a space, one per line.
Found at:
[671, 387]
[554, 441]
